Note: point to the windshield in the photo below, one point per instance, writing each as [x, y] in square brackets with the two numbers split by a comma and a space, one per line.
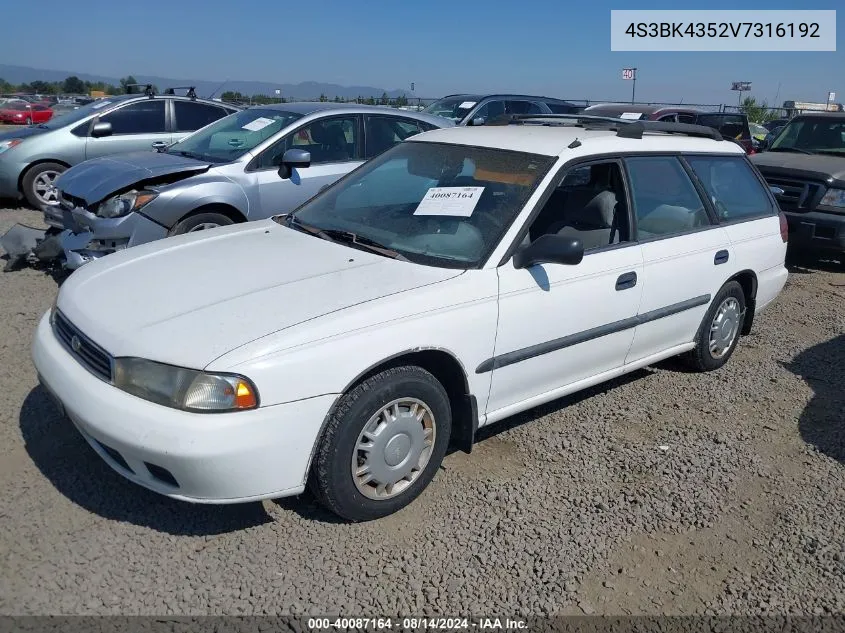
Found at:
[432, 203]
[68, 118]
[233, 136]
[454, 108]
[812, 135]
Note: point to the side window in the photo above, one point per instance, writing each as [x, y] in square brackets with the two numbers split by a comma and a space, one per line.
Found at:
[191, 115]
[141, 117]
[686, 118]
[589, 203]
[328, 140]
[669, 118]
[665, 200]
[523, 107]
[734, 189]
[490, 110]
[383, 132]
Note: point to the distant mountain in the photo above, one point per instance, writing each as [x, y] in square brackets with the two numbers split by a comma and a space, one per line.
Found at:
[304, 90]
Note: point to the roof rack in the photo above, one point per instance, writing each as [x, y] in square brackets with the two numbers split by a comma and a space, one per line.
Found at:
[191, 94]
[149, 90]
[625, 128]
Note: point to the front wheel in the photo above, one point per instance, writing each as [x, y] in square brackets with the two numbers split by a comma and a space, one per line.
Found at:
[719, 332]
[38, 184]
[383, 444]
[200, 222]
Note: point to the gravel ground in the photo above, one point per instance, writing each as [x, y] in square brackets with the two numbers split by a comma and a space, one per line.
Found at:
[578, 511]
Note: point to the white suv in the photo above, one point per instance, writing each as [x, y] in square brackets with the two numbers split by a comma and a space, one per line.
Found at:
[459, 278]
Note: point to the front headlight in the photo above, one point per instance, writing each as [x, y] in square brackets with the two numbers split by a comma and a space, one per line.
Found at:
[6, 145]
[834, 198]
[125, 203]
[185, 389]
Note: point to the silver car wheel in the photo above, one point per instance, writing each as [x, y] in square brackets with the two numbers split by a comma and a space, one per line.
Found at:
[44, 187]
[724, 327]
[203, 227]
[393, 448]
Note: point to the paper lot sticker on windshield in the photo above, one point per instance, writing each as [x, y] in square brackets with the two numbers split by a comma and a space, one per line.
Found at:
[466, 105]
[257, 124]
[101, 104]
[630, 115]
[453, 201]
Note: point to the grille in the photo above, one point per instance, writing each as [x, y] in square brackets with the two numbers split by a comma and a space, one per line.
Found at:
[89, 355]
[798, 195]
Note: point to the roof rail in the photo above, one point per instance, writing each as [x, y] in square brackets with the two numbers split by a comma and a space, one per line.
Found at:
[191, 94]
[625, 128]
[149, 90]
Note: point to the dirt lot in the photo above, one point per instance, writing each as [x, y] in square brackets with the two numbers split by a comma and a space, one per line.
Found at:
[571, 508]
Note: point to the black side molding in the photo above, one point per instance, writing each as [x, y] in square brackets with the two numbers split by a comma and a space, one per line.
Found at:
[526, 353]
[721, 257]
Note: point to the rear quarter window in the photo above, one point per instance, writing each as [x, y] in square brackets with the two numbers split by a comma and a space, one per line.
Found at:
[732, 186]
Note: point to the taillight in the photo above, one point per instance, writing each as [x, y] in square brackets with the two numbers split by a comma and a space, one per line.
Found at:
[784, 227]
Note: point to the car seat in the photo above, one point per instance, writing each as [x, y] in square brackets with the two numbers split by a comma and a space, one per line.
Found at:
[332, 142]
[589, 217]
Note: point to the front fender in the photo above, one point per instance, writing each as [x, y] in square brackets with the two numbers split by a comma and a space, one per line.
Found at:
[175, 203]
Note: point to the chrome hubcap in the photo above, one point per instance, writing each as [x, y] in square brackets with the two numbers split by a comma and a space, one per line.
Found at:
[393, 449]
[724, 328]
[203, 227]
[44, 187]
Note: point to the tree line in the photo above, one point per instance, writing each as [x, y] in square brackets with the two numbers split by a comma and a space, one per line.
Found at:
[258, 99]
[72, 85]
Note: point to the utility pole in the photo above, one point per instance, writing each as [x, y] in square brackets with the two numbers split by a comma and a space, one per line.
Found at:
[634, 87]
[630, 74]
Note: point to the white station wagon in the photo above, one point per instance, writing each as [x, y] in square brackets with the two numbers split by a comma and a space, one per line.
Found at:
[461, 277]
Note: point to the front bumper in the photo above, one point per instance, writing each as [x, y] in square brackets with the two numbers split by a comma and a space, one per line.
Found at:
[816, 230]
[201, 458]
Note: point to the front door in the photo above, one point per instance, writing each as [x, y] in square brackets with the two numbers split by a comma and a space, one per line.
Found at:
[135, 127]
[563, 324]
[335, 147]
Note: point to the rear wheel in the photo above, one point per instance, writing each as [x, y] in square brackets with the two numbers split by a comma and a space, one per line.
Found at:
[38, 184]
[383, 444]
[201, 222]
[719, 332]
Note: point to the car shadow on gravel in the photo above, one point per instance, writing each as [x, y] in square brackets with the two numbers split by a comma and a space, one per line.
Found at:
[801, 263]
[77, 472]
[822, 422]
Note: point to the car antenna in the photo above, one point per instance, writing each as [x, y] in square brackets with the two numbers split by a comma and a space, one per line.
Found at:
[211, 96]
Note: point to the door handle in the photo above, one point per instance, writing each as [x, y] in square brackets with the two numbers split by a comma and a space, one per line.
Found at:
[159, 145]
[628, 280]
[721, 257]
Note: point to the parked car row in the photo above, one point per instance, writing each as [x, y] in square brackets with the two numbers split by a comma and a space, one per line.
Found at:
[24, 113]
[346, 342]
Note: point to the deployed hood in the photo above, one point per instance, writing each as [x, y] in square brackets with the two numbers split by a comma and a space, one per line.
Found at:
[824, 167]
[22, 132]
[97, 179]
[189, 299]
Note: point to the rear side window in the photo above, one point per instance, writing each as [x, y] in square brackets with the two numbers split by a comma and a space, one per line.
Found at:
[141, 117]
[665, 200]
[192, 115]
[729, 125]
[732, 186]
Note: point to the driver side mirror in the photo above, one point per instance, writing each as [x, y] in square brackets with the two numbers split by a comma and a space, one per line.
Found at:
[101, 129]
[293, 159]
[479, 120]
[550, 249]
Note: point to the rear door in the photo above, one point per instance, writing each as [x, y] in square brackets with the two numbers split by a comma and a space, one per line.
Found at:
[135, 127]
[336, 149]
[381, 132]
[684, 252]
[189, 116]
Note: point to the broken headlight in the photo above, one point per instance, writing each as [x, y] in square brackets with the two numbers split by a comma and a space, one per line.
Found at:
[125, 203]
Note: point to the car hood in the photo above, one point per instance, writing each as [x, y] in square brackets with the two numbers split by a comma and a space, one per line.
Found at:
[22, 132]
[189, 299]
[96, 179]
[817, 166]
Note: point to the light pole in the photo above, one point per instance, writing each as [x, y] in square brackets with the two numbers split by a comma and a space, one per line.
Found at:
[630, 74]
[740, 87]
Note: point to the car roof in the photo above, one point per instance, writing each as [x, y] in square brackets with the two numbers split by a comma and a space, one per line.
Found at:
[554, 140]
[495, 95]
[311, 107]
[835, 116]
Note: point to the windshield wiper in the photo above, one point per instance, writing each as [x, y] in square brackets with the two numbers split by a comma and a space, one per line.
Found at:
[792, 149]
[344, 237]
[193, 155]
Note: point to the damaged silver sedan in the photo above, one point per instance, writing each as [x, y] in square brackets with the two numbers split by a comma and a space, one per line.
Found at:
[247, 166]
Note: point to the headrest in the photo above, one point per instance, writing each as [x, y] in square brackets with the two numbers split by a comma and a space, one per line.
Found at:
[590, 209]
[319, 134]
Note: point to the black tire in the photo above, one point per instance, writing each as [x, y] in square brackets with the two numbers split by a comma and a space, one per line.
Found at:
[701, 358]
[331, 478]
[28, 183]
[193, 222]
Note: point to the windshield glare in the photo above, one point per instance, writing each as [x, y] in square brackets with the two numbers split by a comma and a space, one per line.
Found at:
[433, 203]
[812, 135]
[451, 107]
[232, 136]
